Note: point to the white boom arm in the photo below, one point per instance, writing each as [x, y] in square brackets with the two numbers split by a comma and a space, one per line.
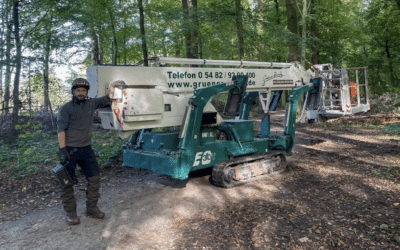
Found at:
[151, 97]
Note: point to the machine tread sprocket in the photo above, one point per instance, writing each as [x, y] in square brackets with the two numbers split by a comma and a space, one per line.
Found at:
[222, 174]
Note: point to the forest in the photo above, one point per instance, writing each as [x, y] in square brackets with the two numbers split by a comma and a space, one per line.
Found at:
[38, 36]
[341, 186]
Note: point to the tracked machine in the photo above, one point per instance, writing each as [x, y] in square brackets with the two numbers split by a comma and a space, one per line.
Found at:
[342, 92]
[174, 129]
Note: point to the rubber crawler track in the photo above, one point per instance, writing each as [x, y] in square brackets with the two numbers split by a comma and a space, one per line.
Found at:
[220, 173]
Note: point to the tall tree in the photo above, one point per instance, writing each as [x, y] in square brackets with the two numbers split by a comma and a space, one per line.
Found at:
[383, 49]
[304, 16]
[239, 28]
[292, 26]
[46, 62]
[2, 43]
[94, 47]
[17, 66]
[100, 44]
[187, 28]
[9, 45]
[313, 30]
[44, 38]
[114, 35]
[143, 33]
[278, 19]
[195, 39]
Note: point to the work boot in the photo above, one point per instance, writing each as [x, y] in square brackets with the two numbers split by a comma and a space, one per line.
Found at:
[93, 195]
[72, 219]
[69, 204]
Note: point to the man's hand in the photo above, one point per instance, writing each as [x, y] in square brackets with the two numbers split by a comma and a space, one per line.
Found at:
[111, 92]
[63, 154]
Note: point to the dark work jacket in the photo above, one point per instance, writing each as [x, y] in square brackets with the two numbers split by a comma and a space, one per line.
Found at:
[76, 120]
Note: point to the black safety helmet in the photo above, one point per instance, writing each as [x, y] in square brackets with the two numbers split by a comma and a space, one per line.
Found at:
[80, 83]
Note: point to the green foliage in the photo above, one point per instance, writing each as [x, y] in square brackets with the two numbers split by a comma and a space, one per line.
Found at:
[382, 51]
[107, 146]
[219, 100]
[166, 129]
[348, 33]
[32, 150]
[385, 103]
[392, 129]
[58, 94]
[391, 171]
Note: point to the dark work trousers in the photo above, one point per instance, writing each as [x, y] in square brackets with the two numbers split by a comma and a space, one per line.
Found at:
[85, 158]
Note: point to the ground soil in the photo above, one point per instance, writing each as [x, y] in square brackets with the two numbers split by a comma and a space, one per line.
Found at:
[340, 191]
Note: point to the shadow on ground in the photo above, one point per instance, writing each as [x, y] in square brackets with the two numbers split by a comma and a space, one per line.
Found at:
[327, 199]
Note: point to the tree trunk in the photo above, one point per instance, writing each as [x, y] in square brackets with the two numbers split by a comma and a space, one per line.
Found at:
[143, 33]
[392, 76]
[46, 67]
[196, 30]
[1, 80]
[304, 32]
[125, 56]
[101, 51]
[115, 51]
[292, 26]
[239, 28]
[17, 67]
[278, 19]
[313, 30]
[114, 42]
[95, 47]
[6, 27]
[187, 29]
[30, 88]
[200, 47]
[176, 38]
[7, 79]
[260, 24]
[2, 40]
[278, 22]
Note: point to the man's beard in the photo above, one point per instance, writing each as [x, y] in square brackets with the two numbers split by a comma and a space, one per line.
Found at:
[79, 98]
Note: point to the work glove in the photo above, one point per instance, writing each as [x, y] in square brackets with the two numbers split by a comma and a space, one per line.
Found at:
[64, 155]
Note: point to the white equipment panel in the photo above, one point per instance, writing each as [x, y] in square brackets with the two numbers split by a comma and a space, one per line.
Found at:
[158, 96]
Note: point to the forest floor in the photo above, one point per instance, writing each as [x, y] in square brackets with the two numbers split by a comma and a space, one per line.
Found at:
[340, 191]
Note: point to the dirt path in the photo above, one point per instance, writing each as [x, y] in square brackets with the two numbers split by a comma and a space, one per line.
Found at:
[341, 191]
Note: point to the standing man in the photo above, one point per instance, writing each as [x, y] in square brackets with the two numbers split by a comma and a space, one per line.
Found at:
[74, 127]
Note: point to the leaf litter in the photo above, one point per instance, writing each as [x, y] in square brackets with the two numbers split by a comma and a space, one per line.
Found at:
[340, 191]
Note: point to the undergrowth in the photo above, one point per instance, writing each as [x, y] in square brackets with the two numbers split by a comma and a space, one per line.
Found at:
[387, 104]
[386, 129]
[107, 146]
[36, 151]
[390, 172]
[32, 150]
[392, 129]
